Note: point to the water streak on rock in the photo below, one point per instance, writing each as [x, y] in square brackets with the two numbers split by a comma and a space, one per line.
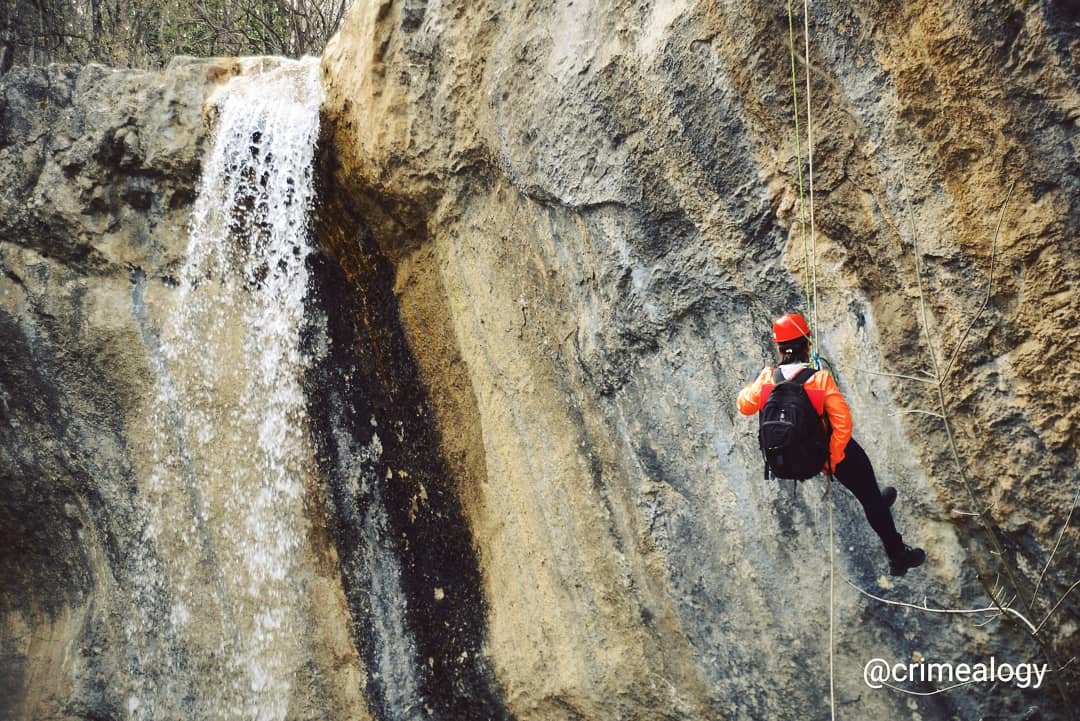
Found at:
[230, 545]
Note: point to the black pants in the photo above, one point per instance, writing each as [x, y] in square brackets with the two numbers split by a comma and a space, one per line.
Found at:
[857, 475]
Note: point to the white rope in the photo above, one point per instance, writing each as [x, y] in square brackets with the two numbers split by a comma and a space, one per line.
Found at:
[813, 229]
[810, 157]
[813, 332]
[832, 602]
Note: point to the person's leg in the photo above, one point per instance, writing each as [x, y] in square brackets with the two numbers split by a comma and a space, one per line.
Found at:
[857, 475]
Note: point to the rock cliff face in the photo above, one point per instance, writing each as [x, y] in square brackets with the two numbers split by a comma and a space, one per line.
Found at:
[98, 173]
[590, 212]
[551, 237]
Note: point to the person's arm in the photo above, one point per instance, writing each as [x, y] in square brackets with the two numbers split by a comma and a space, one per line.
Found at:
[750, 396]
[836, 408]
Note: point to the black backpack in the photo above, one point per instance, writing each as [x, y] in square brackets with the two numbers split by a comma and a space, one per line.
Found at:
[792, 438]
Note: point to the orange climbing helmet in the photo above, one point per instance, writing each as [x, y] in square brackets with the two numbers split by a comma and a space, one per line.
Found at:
[790, 326]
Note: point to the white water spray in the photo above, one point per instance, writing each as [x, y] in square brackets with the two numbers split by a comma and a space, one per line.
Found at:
[226, 525]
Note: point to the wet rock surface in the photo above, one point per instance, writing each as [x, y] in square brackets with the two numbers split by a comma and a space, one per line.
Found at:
[409, 568]
[115, 563]
[98, 171]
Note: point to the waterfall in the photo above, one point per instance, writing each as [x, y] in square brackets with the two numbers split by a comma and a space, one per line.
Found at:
[221, 587]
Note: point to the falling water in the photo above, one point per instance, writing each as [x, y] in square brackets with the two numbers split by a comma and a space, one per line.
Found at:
[225, 521]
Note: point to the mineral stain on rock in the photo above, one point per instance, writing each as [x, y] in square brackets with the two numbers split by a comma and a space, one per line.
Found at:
[409, 567]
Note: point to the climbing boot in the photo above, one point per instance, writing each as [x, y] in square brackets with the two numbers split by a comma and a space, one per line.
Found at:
[904, 558]
[888, 494]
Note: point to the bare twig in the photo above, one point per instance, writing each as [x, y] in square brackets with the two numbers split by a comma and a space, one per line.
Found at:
[268, 27]
[1060, 601]
[926, 693]
[989, 286]
[922, 297]
[996, 608]
[1035, 593]
[993, 618]
[908, 411]
[929, 380]
[939, 387]
[984, 515]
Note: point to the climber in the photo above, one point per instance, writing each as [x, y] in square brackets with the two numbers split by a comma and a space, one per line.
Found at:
[844, 458]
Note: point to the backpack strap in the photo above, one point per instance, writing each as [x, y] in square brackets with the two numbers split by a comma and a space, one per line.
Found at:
[801, 377]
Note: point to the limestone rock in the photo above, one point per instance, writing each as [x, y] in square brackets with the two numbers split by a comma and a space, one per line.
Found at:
[590, 213]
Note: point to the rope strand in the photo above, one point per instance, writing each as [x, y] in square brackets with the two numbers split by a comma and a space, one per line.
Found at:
[798, 152]
[812, 294]
[810, 159]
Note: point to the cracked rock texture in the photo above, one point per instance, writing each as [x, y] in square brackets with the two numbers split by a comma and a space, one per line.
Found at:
[553, 236]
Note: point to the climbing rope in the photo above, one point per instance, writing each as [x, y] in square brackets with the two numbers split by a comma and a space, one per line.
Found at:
[798, 153]
[810, 288]
[809, 265]
[810, 164]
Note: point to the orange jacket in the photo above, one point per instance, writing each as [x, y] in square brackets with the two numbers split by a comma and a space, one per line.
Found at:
[825, 396]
